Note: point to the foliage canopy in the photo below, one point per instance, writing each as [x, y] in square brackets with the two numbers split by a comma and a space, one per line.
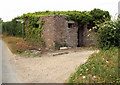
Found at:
[108, 34]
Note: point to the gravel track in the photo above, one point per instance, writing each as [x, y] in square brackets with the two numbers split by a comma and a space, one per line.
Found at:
[48, 68]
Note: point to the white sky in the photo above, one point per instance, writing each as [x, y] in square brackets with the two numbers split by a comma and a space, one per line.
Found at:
[13, 8]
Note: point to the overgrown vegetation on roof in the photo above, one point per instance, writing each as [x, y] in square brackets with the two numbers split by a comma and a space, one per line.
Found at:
[81, 18]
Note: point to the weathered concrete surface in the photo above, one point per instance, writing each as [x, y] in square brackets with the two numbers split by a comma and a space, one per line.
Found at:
[9, 75]
[0, 61]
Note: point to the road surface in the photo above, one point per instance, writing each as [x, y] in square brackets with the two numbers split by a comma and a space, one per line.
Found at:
[0, 61]
[9, 75]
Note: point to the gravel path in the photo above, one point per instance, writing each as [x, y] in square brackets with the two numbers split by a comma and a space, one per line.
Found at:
[48, 68]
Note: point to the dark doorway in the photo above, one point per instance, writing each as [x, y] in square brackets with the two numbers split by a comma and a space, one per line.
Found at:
[80, 37]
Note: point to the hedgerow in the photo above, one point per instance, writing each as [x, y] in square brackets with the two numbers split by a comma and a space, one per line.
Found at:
[13, 27]
[108, 34]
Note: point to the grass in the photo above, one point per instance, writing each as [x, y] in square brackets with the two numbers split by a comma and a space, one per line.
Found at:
[101, 67]
[31, 53]
[15, 44]
[19, 46]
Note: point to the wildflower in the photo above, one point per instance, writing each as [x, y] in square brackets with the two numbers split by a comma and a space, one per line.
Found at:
[80, 74]
[85, 60]
[106, 61]
[89, 29]
[83, 76]
[94, 76]
[86, 69]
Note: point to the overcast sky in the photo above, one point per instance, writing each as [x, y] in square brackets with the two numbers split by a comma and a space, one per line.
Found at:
[13, 8]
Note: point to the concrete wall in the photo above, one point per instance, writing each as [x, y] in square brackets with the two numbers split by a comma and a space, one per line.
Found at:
[63, 34]
[87, 40]
[56, 29]
[48, 30]
[60, 29]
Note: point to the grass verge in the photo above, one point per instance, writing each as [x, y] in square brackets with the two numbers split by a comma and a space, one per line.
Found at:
[15, 44]
[101, 67]
[19, 46]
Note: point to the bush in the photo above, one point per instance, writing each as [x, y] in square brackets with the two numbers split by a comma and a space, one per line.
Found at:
[108, 34]
[13, 27]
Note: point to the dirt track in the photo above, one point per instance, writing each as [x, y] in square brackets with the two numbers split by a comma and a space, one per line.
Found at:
[48, 68]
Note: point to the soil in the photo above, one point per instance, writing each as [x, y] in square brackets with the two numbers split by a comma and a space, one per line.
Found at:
[49, 68]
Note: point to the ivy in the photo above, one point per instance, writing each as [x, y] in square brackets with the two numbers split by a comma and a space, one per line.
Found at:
[33, 32]
[81, 18]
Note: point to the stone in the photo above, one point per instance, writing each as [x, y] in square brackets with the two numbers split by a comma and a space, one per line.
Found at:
[63, 48]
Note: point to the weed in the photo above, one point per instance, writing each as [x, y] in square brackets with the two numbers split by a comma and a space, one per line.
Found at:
[101, 67]
[19, 51]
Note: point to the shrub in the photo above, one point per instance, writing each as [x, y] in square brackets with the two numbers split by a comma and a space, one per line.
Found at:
[108, 34]
[13, 27]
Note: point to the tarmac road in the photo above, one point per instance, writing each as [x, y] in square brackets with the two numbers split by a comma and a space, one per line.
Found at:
[9, 75]
[0, 61]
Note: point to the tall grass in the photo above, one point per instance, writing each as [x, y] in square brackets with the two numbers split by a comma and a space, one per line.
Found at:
[99, 68]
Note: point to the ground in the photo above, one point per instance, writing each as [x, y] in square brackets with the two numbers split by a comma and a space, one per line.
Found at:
[49, 68]
[9, 74]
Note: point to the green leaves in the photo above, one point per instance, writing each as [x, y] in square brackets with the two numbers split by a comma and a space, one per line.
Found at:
[12, 27]
[79, 17]
[101, 67]
[34, 30]
[108, 34]
[33, 33]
